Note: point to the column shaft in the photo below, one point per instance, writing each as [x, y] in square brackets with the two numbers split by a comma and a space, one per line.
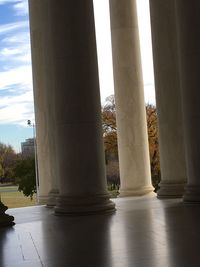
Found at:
[43, 80]
[188, 22]
[80, 154]
[129, 95]
[168, 98]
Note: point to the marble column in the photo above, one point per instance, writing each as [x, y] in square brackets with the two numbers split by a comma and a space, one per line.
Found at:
[129, 95]
[43, 80]
[168, 99]
[188, 22]
[78, 127]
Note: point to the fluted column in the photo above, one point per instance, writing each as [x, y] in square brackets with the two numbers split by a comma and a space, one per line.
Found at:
[43, 81]
[78, 128]
[129, 95]
[168, 99]
[188, 21]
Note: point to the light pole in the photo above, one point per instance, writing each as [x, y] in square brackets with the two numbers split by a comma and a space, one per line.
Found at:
[36, 160]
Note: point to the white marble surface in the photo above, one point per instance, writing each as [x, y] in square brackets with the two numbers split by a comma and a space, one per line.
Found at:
[130, 108]
[42, 84]
[63, 37]
[168, 98]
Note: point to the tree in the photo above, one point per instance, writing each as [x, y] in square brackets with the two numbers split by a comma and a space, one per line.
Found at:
[109, 126]
[110, 139]
[110, 142]
[24, 172]
[112, 171]
[152, 126]
[7, 160]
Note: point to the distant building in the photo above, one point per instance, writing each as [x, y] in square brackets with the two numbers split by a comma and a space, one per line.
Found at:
[28, 148]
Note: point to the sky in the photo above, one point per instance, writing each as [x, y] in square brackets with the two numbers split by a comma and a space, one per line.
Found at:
[16, 96]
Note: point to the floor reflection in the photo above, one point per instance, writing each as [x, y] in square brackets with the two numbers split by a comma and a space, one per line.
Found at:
[183, 234]
[8, 245]
[144, 232]
[77, 241]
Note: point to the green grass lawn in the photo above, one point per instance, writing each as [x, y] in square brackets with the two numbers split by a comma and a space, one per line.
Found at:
[12, 198]
[15, 199]
[10, 188]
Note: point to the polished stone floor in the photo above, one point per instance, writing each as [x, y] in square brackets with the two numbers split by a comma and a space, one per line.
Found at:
[144, 232]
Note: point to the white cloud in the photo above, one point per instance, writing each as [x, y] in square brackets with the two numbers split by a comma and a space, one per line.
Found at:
[25, 98]
[20, 37]
[5, 28]
[24, 58]
[17, 113]
[3, 2]
[16, 103]
[10, 52]
[16, 109]
[20, 6]
[16, 49]
[18, 53]
[20, 75]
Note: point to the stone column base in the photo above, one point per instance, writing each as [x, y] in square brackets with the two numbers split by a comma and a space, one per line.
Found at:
[52, 197]
[84, 205]
[192, 194]
[170, 190]
[42, 200]
[141, 191]
[5, 219]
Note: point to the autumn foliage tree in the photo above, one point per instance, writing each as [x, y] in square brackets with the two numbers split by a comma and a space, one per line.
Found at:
[110, 137]
[109, 126]
[110, 141]
[152, 127]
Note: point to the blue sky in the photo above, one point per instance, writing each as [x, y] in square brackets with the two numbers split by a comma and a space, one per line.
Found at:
[16, 97]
